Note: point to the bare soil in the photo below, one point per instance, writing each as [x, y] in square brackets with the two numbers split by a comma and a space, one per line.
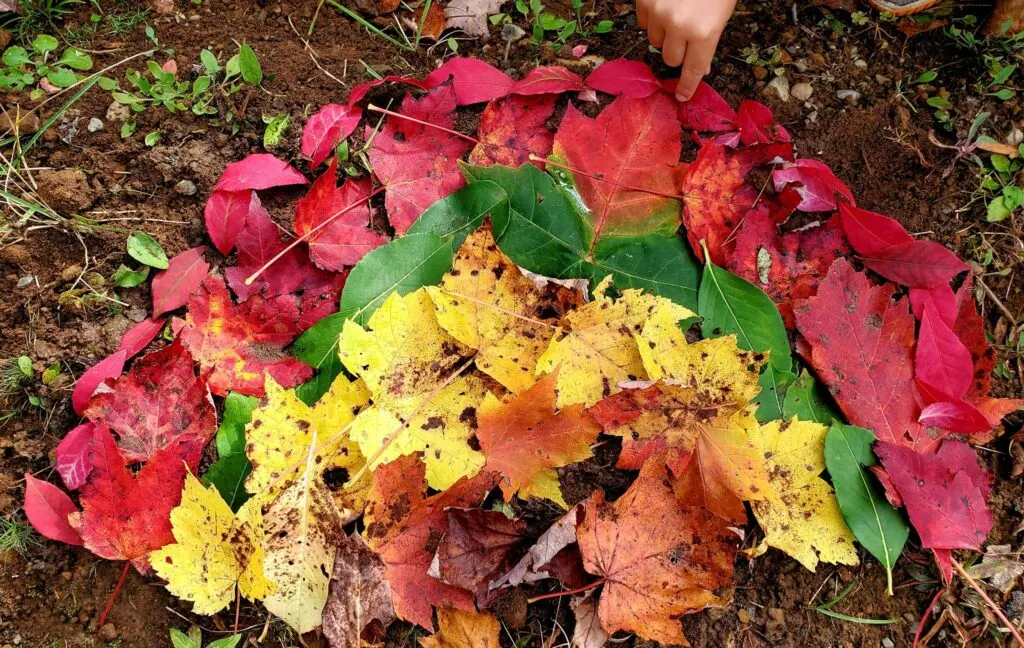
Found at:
[878, 144]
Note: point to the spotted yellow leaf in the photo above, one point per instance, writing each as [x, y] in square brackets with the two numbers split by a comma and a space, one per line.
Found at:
[487, 304]
[214, 550]
[805, 521]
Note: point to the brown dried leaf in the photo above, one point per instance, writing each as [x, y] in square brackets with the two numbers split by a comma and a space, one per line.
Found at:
[359, 608]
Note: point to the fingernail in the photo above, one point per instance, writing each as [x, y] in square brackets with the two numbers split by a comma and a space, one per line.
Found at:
[682, 96]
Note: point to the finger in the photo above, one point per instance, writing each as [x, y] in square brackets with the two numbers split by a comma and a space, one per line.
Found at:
[656, 34]
[675, 50]
[641, 15]
[696, 64]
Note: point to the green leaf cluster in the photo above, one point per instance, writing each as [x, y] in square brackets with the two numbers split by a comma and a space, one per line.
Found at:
[25, 68]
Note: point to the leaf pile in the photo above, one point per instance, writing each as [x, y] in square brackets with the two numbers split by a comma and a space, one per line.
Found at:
[409, 374]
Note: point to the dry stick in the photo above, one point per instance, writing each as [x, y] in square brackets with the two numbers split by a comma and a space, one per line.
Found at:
[330, 219]
[113, 596]
[991, 604]
[578, 590]
[238, 604]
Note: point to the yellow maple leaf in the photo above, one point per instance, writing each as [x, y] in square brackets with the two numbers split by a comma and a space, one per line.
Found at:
[421, 403]
[597, 348]
[302, 529]
[805, 521]
[487, 304]
[463, 629]
[281, 432]
[215, 550]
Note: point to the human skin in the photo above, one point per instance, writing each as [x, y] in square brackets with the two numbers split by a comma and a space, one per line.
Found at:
[687, 31]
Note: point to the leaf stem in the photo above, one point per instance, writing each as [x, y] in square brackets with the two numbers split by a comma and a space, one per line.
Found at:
[991, 604]
[927, 614]
[254, 276]
[600, 178]
[113, 595]
[578, 590]
[391, 113]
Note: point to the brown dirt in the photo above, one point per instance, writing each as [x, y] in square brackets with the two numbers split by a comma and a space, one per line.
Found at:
[878, 146]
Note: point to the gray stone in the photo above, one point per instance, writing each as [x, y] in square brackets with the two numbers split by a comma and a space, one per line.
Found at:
[1015, 138]
[185, 188]
[849, 96]
[118, 112]
[778, 87]
[95, 124]
[888, 643]
[802, 91]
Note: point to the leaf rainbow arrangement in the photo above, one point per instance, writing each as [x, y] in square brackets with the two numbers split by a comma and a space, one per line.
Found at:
[348, 424]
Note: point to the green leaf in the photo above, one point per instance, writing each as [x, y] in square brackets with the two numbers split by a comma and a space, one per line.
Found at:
[661, 265]
[145, 250]
[228, 473]
[997, 210]
[200, 85]
[938, 102]
[1003, 75]
[76, 59]
[1013, 197]
[603, 27]
[1000, 163]
[732, 305]
[25, 366]
[874, 522]
[62, 77]
[44, 43]
[401, 266]
[209, 62]
[1005, 94]
[926, 77]
[125, 277]
[181, 640]
[15, 56]
[249, 65]
[806, 400]
[152, 138]
[128, 128]
[462, 212]
[774, 385]
[276, 127]
[225, 642]
[541, 231]
[233, 67]
[108, 84]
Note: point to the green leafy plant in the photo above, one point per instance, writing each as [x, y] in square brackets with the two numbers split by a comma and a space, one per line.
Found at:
[16, 536]
[15, 375]
[36, 16]
[25, 68]
[547, 26]
[277, 125]
[194, 639]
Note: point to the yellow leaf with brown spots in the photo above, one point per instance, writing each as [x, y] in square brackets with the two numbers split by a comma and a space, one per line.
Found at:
[421, 401]
[463, 629]
[214, 551]
[596, 349]
[805, 521]
[487, 304]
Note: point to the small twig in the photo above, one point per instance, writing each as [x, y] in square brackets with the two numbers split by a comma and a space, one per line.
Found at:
[113, 596]
[578, 590]
[998, 302]
[927, 614]
[391, 113]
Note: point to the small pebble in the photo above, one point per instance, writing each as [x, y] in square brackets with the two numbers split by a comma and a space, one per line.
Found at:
[849, 96]
[118, 112]
[888, 643]
[1015, 138]
[108, 632]
[860, 63]
[26, 281]
[185, 188]
[95, 124]
[760, 73]
[801, 65]
[779, 87]
[802, 91]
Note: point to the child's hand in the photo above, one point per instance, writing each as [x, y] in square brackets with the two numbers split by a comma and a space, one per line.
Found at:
[687, 32]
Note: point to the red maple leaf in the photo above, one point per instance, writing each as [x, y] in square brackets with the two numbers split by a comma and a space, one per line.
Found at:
[511, 129]
[548, 79]
[786, 266]
[478, 546]
[346, 238]
[240, 345]
[861, 346]
[475, 81]
[717, 195]
[624, 77]
[159, 404]
[634, 142]
[404, 528]
[945, 492]
[326, 128]
[418, 165]
[125, 517]
[706, 111]
[814, 182]
[757, 124]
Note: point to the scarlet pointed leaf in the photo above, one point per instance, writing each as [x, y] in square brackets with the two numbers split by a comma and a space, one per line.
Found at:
[475, 81]
[511, 129]
[326, 128]
[173, 286]
[258, 171]
[138, 337]
[401, 527]
[548, 79]
[225, 217]
[345, 239]
[418, 165]
[861, 347]
[717, 196]
[624, 77]
[72, 461]
[757, 124]
[633, 142]
[942, 363]
[47, 508]
[946, 493]
[787, 267]
[941, 300]
[707, 111]
[240, 345]
[637, 544]
[869, 232]
[125, 517]
[817, 185]
[917, 264]
[360, 91]
[109, 367]
[956, 416]
[159, 404]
